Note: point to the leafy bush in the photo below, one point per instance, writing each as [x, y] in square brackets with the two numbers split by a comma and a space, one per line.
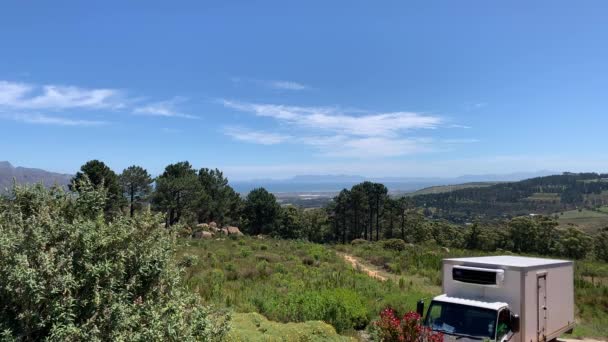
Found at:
[394, 244]
[358, 242]
[341, 308]
[66, 274]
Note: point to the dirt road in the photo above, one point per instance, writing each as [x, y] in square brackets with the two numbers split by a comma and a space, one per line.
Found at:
[370, 270]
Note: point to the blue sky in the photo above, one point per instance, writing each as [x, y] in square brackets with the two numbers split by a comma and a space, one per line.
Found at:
[278, 88]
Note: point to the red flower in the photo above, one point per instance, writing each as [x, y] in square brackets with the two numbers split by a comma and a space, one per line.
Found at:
[406, 329]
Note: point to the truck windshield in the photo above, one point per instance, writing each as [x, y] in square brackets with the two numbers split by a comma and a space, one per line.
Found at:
[462, 320]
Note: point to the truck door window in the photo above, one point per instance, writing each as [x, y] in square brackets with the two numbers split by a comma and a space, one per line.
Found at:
[503, 326]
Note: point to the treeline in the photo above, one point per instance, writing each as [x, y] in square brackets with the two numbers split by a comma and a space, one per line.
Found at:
[186, 197]
[366, 212]
[512, 199]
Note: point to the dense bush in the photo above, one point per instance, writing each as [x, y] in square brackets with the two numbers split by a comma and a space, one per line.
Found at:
[394, 244]
[341, 308]
[66, 274]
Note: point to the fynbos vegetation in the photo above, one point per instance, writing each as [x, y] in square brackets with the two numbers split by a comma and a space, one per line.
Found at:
[68, 275]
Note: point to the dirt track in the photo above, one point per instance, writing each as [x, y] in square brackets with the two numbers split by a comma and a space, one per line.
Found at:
[367, 269]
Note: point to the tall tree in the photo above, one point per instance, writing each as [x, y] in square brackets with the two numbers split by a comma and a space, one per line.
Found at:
[290, 223]
[136, 184]
[404, 204]
[380, 196]
[261, 212]
[101, 177]
[218, 200]
[340, 216]
[177, 192]
[359, 207]
[574, 243]
[368, 188]
[601, 245]
[391, 209]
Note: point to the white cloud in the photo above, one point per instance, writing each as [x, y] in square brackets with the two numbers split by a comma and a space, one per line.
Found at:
[163, 108]
[41, 119]
[274, 84]
[337, 133]
[56, 97]
[287, 85]
[33, 102]
[256, 137]
[331, 119]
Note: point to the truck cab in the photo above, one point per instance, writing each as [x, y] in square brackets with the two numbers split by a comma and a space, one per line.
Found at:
[470, 320]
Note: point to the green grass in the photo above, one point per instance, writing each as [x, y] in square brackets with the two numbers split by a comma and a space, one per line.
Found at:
[588, 220]
[295, 281]
[253, 327]
[292, 281]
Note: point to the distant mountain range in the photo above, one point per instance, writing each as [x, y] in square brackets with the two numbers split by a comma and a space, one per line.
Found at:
[300, 183]
[331, 183]
[25, 175]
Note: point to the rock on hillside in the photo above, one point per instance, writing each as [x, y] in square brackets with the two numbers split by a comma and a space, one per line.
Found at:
[24, 175]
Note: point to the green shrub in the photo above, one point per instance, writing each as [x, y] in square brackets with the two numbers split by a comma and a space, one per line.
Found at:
[358, 242]
[308, 261]
[67, 275]
[394, 244]
[188, 261]
[341, 308]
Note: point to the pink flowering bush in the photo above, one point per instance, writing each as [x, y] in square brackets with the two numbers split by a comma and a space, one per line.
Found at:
[405, 329]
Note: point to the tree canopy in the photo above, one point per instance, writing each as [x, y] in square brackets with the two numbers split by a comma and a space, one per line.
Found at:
[136, 184]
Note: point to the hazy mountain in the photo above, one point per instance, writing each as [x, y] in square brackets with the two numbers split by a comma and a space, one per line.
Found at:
[330, 183]
[24, 175]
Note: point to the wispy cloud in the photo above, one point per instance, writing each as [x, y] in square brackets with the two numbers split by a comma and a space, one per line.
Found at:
[334, 132]
[39, 104]
[273, 84]
[256, 137]
[56, 97]
[163, 108]
[287, 85]
[475, 105]
[332, 119]
[42, 119]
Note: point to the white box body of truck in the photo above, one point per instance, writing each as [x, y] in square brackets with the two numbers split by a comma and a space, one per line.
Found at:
[538, 293]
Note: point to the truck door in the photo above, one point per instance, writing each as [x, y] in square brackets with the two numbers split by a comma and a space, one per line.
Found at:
[541, 301]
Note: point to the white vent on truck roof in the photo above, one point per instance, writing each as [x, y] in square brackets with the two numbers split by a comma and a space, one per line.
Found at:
[478, 276]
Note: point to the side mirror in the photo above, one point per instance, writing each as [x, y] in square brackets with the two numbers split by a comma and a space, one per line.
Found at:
[420, 308]
[515, 323]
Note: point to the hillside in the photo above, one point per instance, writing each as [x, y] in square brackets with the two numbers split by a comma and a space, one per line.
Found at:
[452, 187]
[24, 175]
[541, 195]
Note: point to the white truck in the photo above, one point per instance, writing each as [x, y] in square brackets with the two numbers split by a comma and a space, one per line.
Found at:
[503, 298]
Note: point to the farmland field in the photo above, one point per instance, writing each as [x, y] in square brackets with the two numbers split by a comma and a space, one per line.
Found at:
[448, 188]
[588, 220]
[544, 196]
